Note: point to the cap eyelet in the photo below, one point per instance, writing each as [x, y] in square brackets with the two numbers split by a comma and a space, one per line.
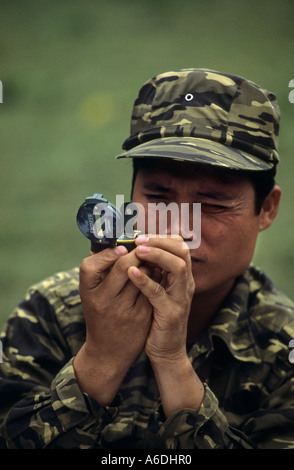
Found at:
[189, 97]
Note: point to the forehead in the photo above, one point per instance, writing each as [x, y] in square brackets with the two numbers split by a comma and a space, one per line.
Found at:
[170, 171]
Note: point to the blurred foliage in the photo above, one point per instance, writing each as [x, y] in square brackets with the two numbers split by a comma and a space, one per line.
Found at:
[70, 73]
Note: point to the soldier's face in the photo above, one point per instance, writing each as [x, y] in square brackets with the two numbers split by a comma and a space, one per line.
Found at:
[229, 224]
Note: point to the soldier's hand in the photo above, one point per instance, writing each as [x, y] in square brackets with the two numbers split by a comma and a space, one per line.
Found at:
[171, 299]
[178, 383]
[118, 318]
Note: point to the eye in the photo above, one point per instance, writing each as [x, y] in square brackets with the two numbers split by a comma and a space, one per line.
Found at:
[156, 197]
[213, 208]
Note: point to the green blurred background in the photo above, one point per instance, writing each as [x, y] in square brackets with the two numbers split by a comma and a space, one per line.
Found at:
[71, 71]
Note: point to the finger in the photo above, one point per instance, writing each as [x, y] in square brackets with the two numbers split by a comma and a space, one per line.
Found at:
[118, 277]
[156, 274]
[130, 291]
[179, 277]
[155, 293]
[165, 260]
[143, 306]
[93, 268]
[136, 299]
[174, 245]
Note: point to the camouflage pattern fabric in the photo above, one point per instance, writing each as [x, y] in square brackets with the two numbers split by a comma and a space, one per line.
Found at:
[198, 151]
[242, 358]
[235, 114]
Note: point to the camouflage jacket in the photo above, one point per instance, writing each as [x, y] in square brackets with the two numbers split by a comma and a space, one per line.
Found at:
[243, 358]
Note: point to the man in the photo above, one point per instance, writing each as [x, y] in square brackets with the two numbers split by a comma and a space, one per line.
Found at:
[167, 346]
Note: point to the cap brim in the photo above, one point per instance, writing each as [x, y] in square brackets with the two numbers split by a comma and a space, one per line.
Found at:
[199, 151]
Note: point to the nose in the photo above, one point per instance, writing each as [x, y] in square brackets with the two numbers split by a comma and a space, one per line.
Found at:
[185, 220]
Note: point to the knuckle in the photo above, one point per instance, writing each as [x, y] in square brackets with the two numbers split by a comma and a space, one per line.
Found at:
[86, 265]
[192, 286]
[158, 290]
[181, 266]
[185, 247]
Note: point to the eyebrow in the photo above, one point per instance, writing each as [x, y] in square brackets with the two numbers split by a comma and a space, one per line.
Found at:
[157, 187]
[214, 195]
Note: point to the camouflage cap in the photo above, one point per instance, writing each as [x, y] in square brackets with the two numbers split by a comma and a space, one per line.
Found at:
[205, 116]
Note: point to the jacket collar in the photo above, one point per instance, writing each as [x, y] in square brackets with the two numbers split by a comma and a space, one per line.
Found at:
[232, 324]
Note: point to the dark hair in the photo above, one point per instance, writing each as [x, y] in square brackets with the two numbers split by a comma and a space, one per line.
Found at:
[262, 181]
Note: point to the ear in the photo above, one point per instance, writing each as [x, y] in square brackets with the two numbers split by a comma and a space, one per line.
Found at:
[270, 208]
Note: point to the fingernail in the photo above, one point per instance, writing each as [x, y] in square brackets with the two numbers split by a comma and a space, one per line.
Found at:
[120, 250]
[142, 239]
[143, 249]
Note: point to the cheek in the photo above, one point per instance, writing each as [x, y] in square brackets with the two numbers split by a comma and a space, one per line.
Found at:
[237, 236]
[220, 233]
[213, 232]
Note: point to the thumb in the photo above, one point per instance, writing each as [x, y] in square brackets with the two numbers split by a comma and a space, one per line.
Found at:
[94, 268]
